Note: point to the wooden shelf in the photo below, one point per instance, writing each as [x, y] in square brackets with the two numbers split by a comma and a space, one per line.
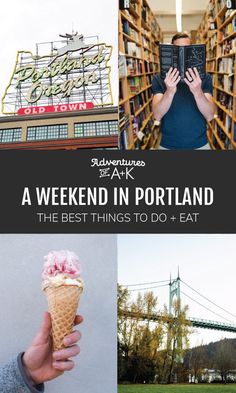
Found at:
[224, 109]
[137, 106]
[131, 23]
[143, 107]
[131, 39]
[215, 45]
[223, 128]
[227, 21]
[224, 91]
[228, 37]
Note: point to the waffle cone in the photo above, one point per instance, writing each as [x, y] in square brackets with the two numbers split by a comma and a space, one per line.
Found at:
[63, 302]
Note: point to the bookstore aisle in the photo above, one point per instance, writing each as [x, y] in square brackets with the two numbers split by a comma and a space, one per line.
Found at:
[142, 28]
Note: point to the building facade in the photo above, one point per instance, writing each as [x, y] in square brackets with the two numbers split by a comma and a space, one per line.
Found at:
[89, 129]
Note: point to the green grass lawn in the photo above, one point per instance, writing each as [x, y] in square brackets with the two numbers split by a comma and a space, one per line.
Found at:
[177, 388]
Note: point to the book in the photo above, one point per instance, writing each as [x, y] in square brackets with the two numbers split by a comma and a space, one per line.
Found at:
[182, 58]
[123, 140]
[123, 71]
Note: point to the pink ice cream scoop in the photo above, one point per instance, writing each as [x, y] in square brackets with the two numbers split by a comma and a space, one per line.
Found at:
[61, 262]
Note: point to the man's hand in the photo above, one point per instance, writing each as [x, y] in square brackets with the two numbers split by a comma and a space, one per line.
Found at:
[41, 363]
[193, 81]
[172, 79]
[204, 101]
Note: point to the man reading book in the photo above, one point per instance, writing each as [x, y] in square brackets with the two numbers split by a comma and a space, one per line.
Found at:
[183, 107]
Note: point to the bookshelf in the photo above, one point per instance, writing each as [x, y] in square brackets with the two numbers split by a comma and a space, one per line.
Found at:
[218, 31]
[139, 36]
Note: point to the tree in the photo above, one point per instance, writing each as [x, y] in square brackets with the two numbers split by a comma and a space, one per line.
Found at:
[225, 359]
[196, 363]
[178, 330]
[139, 339]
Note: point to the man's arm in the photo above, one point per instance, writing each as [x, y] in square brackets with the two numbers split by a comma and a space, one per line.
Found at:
[161, 102]
[203, 100]
[28, 372]
[14, 379]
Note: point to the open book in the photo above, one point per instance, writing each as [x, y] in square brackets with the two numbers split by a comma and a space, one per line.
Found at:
[182, 57]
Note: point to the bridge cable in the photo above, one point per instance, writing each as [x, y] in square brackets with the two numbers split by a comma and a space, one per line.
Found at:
[145, 283]
[145, 289]
[207, 308]
[204, 297]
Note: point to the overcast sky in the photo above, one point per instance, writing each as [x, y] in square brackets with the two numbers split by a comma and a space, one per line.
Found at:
[207, 263]
[27, 22]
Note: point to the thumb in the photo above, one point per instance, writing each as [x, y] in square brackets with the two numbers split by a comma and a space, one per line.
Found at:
[44, 332]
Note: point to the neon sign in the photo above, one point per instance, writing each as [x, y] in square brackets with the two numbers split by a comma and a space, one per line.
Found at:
[38, 110]
[76, 73]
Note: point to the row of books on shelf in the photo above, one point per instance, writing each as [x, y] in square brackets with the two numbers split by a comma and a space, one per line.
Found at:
[225, 119]
[211, 13]
[150, 56]
[134, 50]
[150, 66]
[225, 100]
[140, 120]
[213, 41]
[229, 4]
[212, 53]
[134, 66]
[226, 82]
[226, 65]
[139, 100]
[131, 48]
[227, 47]
[226, 16]
[140, 137]
[146, 14]
[123, 119]
[154, 57]
[127, 29]
[123, 139]
[146, 42]
[135, 84]
[136, 103]
[148, 80]
[223, 138]
[155, 28]
[131, 67]
[128, 12]
[211, 65]
[229, 29]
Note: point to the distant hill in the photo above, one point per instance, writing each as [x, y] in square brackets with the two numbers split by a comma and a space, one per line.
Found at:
[220, 356]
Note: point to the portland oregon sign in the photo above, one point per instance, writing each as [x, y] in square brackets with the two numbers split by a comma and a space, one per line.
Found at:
[75, 75]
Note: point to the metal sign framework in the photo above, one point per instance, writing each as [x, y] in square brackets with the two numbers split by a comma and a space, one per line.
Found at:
[96, 87]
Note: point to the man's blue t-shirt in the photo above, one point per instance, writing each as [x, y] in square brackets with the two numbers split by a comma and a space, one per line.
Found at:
[183, 126]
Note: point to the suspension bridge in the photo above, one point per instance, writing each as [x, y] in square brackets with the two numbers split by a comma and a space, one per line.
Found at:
[175, 292]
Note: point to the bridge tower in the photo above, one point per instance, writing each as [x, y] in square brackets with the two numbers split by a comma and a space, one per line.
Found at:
[174, 296]
[174, 292]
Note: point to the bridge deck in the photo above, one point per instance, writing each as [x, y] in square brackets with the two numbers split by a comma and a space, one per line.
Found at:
[199, 323]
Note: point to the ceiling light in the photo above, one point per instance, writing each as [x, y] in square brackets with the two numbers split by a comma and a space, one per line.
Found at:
[178, 5]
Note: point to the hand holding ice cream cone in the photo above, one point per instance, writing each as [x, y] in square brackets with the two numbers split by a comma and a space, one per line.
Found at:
[41, 363]
[63, 286]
